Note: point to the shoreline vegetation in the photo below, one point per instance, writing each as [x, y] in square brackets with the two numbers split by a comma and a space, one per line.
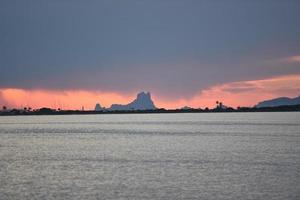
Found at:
[49, 111]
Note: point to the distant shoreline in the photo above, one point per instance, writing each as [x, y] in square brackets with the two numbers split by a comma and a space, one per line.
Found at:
[48, 111]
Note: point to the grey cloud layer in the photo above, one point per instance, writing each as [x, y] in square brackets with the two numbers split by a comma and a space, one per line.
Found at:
[170, 47]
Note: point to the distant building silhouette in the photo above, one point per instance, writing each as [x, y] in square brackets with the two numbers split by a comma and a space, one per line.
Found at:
[98, 107]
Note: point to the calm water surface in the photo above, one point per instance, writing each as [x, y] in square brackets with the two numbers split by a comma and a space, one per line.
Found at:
[151, 156]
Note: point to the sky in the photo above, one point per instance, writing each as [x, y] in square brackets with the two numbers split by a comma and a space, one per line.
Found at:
[74, 53]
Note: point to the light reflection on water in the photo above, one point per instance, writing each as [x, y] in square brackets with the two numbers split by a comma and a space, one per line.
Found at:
[151, 156]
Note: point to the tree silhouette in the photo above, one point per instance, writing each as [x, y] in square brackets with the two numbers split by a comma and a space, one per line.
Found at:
[219, 104]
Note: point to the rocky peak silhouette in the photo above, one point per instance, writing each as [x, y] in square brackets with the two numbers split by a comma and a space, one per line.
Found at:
[143, 101]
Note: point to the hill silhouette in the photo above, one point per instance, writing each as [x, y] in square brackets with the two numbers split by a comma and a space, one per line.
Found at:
[281, 101]
[143, 101]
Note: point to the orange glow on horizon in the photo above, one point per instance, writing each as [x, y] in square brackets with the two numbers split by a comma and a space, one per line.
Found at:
[243, 93]
[67, 99]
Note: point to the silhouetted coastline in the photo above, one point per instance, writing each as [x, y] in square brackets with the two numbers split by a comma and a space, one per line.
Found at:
[49, 111]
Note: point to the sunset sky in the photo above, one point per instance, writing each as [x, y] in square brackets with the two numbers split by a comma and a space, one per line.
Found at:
[73, 53]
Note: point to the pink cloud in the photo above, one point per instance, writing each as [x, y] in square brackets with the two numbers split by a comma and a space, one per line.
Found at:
[242, 93]
[292, 59]
[248, 93]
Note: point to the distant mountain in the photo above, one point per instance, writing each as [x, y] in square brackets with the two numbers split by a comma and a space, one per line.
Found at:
[281, 101]
[143, 101]
[186, 108]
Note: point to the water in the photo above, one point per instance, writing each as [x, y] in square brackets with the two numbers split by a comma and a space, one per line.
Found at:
[151, 156]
